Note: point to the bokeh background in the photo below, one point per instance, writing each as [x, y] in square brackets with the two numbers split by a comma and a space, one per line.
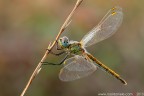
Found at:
[27, 27]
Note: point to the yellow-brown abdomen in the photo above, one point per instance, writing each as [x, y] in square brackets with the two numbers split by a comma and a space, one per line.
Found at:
[105, 68]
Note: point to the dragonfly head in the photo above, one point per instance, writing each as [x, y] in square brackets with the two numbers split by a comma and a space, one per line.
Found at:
[64, 42]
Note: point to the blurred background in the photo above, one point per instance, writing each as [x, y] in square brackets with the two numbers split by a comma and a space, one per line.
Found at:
[28, 26]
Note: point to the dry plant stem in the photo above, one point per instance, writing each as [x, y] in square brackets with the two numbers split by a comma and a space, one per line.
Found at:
[50, 47]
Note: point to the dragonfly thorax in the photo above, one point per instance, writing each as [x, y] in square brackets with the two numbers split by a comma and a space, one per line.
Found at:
[72, 47]
[75, 48]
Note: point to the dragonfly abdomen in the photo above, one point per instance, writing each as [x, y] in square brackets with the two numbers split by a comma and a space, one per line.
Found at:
[105, 68]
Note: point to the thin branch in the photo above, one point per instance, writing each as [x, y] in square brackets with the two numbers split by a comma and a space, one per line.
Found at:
[50, 47]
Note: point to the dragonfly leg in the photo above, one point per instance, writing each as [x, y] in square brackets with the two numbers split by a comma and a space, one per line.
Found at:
[57, 46]
[56, 54]
[59, 53]
[47, 63]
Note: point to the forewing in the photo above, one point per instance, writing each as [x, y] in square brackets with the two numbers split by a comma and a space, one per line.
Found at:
[75, 68]
[107, 27]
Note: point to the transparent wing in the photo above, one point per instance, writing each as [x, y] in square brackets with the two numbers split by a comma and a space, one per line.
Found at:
[76, 67]
[107, 27]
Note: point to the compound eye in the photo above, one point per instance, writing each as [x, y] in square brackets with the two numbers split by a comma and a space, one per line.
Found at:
[65, 41]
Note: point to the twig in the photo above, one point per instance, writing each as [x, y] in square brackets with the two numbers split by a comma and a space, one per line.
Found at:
[50, 47]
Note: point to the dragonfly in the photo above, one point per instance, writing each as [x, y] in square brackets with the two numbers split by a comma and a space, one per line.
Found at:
[82, 63]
